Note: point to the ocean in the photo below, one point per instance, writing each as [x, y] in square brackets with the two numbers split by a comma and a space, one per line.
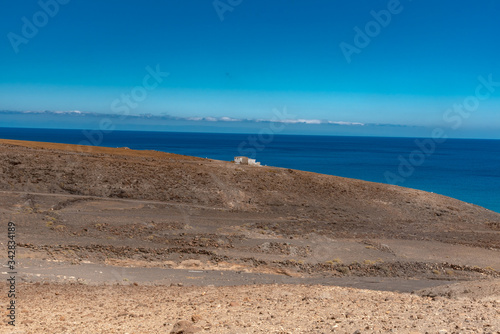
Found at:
[466, 169]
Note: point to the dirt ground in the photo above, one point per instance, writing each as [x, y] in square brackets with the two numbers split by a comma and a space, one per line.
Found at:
[122, 241]
[274, 308]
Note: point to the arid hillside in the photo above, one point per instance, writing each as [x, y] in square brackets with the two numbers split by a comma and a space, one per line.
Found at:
[194, 245]
[332, 205]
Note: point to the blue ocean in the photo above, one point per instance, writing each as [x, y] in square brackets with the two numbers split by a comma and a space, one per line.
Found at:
[466, 169]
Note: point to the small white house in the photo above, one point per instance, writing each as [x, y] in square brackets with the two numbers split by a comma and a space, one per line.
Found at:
[246, 161]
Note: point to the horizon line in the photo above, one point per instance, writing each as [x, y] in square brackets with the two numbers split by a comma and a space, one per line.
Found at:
[244, 133]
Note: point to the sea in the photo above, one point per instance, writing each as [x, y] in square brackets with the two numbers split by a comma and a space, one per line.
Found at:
[466, 169]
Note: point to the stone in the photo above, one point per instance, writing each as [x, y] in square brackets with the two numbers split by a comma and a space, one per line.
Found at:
[184, 327]
[195, 317]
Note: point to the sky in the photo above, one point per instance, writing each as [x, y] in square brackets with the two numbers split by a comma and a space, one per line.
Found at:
[394, 65]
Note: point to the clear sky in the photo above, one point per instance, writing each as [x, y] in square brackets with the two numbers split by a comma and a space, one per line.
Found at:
[389, 62]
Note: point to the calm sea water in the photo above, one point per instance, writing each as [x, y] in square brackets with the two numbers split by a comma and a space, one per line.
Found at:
[461, 168]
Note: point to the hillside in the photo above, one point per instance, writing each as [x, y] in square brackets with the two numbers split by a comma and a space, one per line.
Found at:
[117, 240]
[334, 206]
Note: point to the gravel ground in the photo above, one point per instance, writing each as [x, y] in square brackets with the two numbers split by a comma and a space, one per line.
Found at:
[52, 308]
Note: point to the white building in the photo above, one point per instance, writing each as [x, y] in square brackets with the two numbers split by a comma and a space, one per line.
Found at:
[246, 161]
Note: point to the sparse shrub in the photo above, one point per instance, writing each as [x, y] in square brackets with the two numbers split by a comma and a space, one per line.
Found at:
[60, 228]
[344, 270]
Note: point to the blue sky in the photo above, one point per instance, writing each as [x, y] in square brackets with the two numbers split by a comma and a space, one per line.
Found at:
[263, 55]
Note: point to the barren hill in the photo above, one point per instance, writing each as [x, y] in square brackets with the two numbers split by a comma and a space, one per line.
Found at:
[335, 206]
[229, 248]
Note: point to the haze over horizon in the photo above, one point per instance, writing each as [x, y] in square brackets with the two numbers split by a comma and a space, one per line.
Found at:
[401, 67]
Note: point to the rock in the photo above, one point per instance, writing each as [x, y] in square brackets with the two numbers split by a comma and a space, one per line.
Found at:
[196, 317]
[169, 264]
[184, 327]
[191, 263]
[357, 332]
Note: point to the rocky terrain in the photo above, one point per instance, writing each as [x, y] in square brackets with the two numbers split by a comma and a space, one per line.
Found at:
[136, 241]
[252, 309]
